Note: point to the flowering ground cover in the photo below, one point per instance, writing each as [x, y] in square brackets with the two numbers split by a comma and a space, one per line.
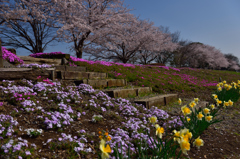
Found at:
[46, 119]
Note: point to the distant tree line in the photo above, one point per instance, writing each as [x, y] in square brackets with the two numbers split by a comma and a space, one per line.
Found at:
[103, 30]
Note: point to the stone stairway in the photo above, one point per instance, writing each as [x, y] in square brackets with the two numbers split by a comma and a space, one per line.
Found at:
[99, 81]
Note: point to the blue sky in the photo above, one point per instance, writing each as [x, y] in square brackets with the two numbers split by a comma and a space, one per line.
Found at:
[212, 22]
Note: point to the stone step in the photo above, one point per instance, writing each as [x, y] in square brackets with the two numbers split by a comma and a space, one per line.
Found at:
[126, 92]
[70, 68]
[74, 75]
[157, 100]
[102, 83]
[29, 60]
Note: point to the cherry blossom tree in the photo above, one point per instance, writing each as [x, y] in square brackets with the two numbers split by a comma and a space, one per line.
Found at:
[18, 18]
[200, 55]
[77, 21]
[159, 44]
[181, 54]
[233, 61]
[84, 20]
[123, 41]
[166, 55]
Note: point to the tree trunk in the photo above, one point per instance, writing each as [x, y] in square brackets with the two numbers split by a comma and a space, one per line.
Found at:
[1, 57]
[79, 53]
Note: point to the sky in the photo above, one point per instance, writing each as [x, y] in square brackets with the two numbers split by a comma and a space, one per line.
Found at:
[212, 22]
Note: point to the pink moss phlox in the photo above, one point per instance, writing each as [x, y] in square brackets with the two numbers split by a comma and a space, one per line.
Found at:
[10, 57]
[44, 54]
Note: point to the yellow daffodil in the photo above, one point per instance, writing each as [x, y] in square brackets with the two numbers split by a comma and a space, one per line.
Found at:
[225, 104]
[179, 101]
[212, 106]
[200, 116]
[176, 136]
[225, 86]
[235, 87]
[196, 100]
[224, 82]
[184, 133]
[238, 82]
[192, 104]
[208, 118]
[206, 111]
[105, 150]
[198, 142]
[229, 87]
[218, 85]
[218, 102]
[214, 96]
[153, 119]
[188, 119]
[185, 146]
[219, 89]
[159, 131]
[221, 84]
[185, 110]
[233, 84]
[230, 102]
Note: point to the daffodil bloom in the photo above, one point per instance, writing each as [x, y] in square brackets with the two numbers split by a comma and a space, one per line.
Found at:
[225, 104]
[105, 150]
[229, 87]
[188, 119]
[198, 142]
[208, 118]
[221, 84]
[185, 146]
[196, 100]
[192, 104]
[184, 133]
[200, 116]
[230, 102]
[218, 85]
[159, 131]
[224, 82]
[185, 110]
[219, 89]
[212, 106]
[179, 101]
[225, 86]
[218, 102]
[214, 96]
[206, 111]
[176, 136]
[153, 119]
[235, 87]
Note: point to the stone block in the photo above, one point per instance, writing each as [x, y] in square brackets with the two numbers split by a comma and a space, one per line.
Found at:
[170, 98]
[29, 60]
[153, 101]
[68, 75]
[124, 93]
[78, 68]
[93, 75]
[116, 82]
[143, 90]
[64, 61]
[60, 68]
[97, 83]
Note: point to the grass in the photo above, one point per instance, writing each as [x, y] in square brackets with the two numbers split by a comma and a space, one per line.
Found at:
[120, 118]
